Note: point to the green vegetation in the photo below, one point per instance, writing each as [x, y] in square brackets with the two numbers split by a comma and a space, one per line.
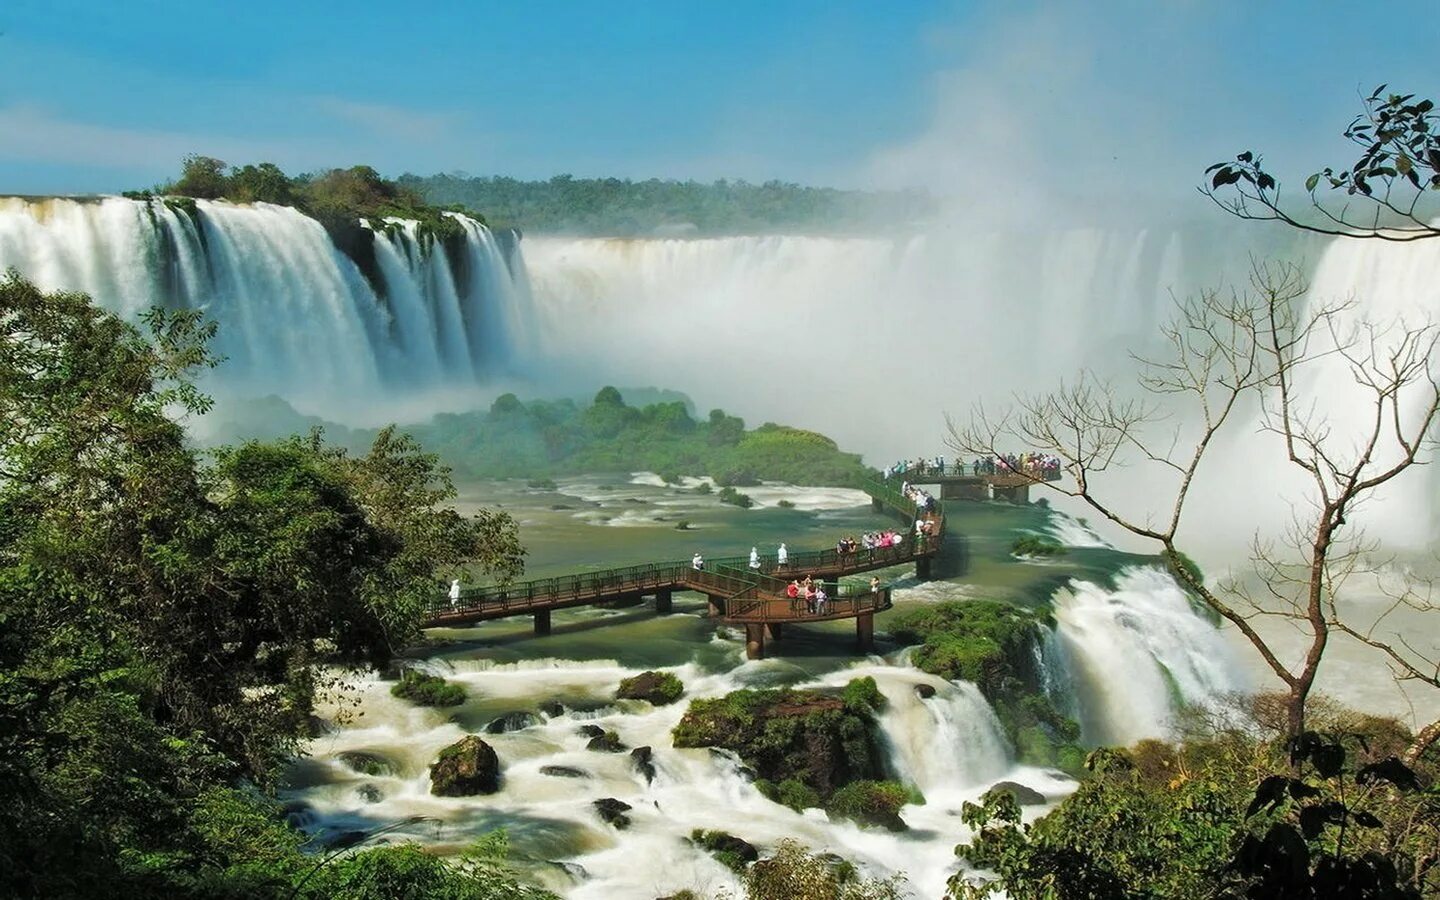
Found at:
[424, 689]
[872, 803]
[795, 874]
[170, 620]
[731, 851]
[1035, 545]
[804, 746]
[862, 695]
[544, 439]
[735, 498]
[1223, 814]
[621, 207]
[660, 688]
[991, 644]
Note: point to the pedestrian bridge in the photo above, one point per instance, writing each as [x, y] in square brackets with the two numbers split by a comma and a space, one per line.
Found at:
[736, 594]
[971, 481]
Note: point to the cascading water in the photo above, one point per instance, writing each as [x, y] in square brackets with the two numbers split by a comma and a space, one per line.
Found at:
[297, 317]
[1137, 652]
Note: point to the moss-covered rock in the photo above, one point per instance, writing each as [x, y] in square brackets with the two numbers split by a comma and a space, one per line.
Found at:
[465, 768]
[872, 803]
[862, 695]
[660, 688]
[1023, 796]
[606, 742]
[424, 689]
[982, 641]
[367, 763]
[514, 721]
[735, 853]
[804, 737]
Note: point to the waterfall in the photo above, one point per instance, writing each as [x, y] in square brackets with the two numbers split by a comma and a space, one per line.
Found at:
[946, 743]
[1136, 652]
[297, 317]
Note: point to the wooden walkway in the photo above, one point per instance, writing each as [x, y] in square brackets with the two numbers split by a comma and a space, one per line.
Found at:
[964, 481]
[750, 598]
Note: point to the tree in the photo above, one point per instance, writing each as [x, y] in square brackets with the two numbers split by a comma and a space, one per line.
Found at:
[1400, 160]
[203, 177]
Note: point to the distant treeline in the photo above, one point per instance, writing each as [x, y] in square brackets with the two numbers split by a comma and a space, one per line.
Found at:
[548, 438]
[623, 208]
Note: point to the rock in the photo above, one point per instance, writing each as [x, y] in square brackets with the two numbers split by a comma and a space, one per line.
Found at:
[613, 811]
[924, 691]
[1023, 795]
[552, 708]
[564, 772]
[642, 757]
[659, 688]
[592, 731]
[369, 793]
[723, 842]
[511, 722]
[607, 742]
[367, 763]
[465, 768]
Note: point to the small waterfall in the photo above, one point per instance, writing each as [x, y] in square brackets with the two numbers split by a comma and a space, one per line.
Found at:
[1136, 652]
[297, 317]
[946, 743]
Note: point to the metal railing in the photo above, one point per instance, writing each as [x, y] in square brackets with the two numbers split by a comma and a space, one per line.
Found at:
[993, 468]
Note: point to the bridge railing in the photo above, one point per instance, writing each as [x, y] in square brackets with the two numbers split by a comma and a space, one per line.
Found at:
[771, 609]
[918, 474]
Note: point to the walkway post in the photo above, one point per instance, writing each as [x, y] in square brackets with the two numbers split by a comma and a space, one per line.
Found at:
[922, 568]
[663, 602]
[715, 606]
[755, 641]
[865, 632]
[774, 630]
[542, 623]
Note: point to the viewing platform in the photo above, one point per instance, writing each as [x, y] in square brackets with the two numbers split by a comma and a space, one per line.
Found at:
[970, 481]
[752, 598]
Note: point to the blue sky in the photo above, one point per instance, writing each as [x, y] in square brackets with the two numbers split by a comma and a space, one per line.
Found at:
[958, 96]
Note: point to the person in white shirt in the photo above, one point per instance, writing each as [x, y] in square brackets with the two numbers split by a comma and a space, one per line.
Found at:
[754, 558]
[782, 555]
[698, 563]
[454, 593]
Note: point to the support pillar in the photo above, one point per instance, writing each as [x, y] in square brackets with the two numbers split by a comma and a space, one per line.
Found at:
[715, 606]
[542, 623]
[754, 641]
[1019, 493]
[663, 602]
[774, 629]
[964, 490]
[922, 568]
[865, 632]
[876, 504]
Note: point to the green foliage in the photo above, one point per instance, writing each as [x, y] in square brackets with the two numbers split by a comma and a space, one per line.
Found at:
[731, 852]
[794, 874]
[862, 695]
[735, 498]
[424, 689]
[1034, 545]
[170, 620]
[871, 802]
[540, 440]
[983, 641]
[621, 207]
[804, 737]
[785, 504]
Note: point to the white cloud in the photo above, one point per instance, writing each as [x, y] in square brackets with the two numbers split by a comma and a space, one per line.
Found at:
[392, 122]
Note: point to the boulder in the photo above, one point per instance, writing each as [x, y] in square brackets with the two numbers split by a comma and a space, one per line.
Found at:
[924, 691]
[564, 772]
[613, 811]
[511, 722]
[658, 688]
[607, 742]
[367, 763]
[592, 731]
[552, 708]
[369, 793]
[718, 842]
[465, 768]
[643, 760]
[1023, 795]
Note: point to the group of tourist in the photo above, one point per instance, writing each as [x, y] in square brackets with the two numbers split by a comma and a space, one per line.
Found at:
[810, 593]
[923, 500]
[1040, 466]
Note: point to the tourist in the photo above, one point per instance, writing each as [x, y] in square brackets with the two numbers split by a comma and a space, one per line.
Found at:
[754, 558]
[809, 596]
[698, 563]
[782, 556]
[455, 593]
[820, 598]
[874, 584]
[792, 590]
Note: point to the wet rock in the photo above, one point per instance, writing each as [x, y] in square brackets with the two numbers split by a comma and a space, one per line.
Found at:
[564, 772]
[592, 731]
[613, 811]
[366, 763]
[731, 850]
[659, 688]
[607, 742]
[369, 793]
[511, 722]
[465, 768]
[642, 758]
[552, 708]
[1023, 795]
[924, 691]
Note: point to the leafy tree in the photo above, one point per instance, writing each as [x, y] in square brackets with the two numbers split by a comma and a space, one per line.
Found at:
[202, 177]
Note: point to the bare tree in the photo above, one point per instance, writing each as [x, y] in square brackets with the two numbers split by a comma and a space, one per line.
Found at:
[1228, 354]
[1382, 193]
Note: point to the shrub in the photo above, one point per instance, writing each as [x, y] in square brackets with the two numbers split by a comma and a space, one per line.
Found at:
[543, 484]
[1035, 545]
[796, 794]
[427, 690]
[871, 802]
[785, 504]
[735, 498]
[704, 488]
[862, 695]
